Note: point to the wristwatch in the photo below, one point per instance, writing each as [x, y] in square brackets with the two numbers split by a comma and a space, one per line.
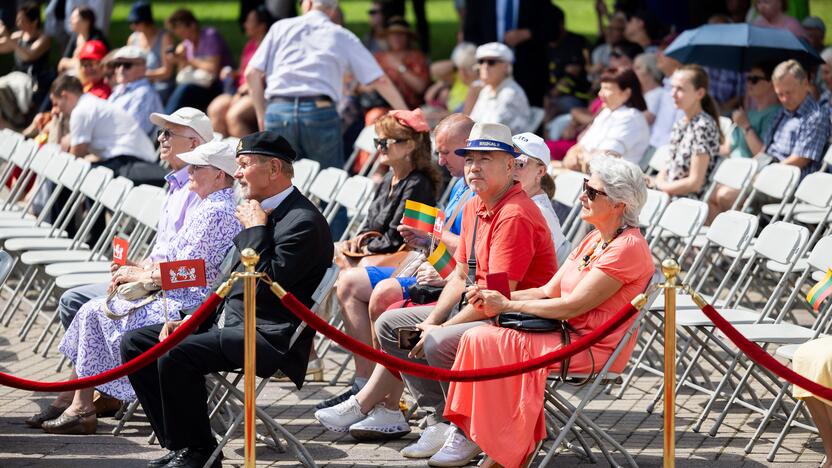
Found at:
[402, 68]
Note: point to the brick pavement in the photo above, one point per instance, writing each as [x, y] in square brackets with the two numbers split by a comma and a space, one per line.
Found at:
[625, 418]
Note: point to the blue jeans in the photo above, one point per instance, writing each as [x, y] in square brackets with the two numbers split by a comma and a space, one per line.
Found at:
[314, 132]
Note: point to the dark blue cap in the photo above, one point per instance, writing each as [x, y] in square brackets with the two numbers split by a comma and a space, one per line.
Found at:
[140, 12]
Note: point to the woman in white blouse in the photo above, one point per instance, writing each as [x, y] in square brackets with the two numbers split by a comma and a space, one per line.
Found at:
[620, 129]
[501, 100]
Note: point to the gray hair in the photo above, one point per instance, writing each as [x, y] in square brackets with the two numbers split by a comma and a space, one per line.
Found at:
[464, 56]
[826, 55]
[623, 183]
[789, 67]
[648, 59]
[326, 4]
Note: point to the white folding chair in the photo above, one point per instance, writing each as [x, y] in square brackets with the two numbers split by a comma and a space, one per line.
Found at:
[568, 187]
[659, 159]
[536, 115]
[364, 142]
[652, 210]
[326, 185]
[735, 173]
[305, 172]
[353, 195]
[679, 224]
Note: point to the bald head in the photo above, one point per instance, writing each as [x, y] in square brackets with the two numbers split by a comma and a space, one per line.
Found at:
[451, 134]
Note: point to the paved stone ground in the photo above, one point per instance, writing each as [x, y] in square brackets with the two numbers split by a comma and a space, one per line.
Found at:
[625, 419]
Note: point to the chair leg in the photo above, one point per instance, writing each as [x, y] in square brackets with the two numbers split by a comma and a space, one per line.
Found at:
[14, 299]
[37, 309]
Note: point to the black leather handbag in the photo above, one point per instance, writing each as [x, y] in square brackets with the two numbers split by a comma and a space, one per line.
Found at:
[423, 293]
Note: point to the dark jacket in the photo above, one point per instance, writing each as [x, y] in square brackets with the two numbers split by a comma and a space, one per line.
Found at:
[295, 249]
[387, 208]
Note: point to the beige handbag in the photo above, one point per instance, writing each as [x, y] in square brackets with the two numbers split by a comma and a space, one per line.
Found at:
[195, 76]
[133, 291]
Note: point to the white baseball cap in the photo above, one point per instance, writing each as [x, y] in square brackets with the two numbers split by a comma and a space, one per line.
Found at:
[218, 154]
[533, 146]
[187, 117]
[129, 53]
[495, 50]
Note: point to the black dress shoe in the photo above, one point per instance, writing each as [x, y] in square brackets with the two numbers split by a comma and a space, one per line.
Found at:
[194, 457]
[162, 461]
[338, 398]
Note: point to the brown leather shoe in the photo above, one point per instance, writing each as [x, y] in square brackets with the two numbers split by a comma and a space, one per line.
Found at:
[82, 424]
[48, 413]
[105, 406]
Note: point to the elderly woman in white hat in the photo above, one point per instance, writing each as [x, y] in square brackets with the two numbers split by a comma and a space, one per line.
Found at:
[93, 339]
[501, 100]
[530, 171]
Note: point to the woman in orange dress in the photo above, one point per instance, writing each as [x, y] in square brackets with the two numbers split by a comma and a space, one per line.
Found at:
[606, 271]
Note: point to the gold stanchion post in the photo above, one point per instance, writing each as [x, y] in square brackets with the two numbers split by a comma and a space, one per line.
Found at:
[670, 268]
[249, 259]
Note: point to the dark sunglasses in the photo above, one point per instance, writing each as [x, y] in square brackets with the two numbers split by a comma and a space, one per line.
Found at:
[384, 143]
[167, 133]
[754, 79]
[125, 65]
[489, 62]
[591, 193]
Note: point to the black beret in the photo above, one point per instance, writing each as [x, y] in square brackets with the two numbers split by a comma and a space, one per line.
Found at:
[267, 144]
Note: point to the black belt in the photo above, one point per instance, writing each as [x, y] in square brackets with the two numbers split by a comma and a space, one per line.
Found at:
[317, 97]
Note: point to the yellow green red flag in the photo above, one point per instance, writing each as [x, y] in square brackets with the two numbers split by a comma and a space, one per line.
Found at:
[419, 216]
[442, 260]
[820, 291]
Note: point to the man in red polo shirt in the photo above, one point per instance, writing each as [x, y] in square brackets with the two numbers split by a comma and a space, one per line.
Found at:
[511, 237]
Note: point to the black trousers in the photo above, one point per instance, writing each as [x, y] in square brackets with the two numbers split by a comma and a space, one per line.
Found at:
[172, 389]
[137, 170]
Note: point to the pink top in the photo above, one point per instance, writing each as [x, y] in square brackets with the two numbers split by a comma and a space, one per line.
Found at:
[248, 51]
[783, 21]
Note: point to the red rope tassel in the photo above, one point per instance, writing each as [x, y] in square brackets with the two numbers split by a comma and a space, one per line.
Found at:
[188, 327]
[762, 358]
[395, 364]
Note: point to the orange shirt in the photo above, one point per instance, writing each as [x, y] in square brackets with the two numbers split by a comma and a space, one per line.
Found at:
[513, 238]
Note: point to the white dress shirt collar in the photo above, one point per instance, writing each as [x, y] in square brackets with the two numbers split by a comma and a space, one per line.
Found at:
[275, 200]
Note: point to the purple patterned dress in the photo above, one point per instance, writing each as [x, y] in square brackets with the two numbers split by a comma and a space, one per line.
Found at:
[92, 341]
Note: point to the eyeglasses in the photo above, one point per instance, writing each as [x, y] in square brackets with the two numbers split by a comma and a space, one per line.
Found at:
[167, 133]
[125, 65]
[521, 161]
[754, 79]
[195, 167]
[384, 143]
[591, 193]
[488, 62]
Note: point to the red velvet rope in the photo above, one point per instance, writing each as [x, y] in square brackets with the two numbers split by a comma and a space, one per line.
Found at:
[761, 357]
[129, 367]
[395, 364]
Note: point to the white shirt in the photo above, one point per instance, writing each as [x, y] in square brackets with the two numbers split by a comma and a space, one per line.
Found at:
[108, 130]
[624, 131]
[507, 105]
[275, 200]
[562, 246]
[666, 115]
[308, 55]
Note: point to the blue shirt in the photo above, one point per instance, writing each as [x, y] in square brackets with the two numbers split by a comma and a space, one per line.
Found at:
[139, 99]
[460, 193]
[803, 133]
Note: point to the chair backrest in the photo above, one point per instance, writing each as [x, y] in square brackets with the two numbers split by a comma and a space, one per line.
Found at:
[781, 242]
[94, 182]
[8, 144]
[364, 142]
[305, 172]
[321, 292]
[777, 180]
[654, 206]
[568, 187]
[827, 160]
[6, 264]
[684, 217]
[354, 193]
[536, 115]
[326, 183]
[23, 151]
[736, 172]
[149, 216]
[74, 173]
[42, 159]
[815, 189]
[733, 230]
[57, 164]
[821, 256]
[137, 200]
[726, 125]
[660, 158]
[114, 192]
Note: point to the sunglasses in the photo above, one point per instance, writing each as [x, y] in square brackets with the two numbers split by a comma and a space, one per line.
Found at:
[591, 193]
[125, 65]
[488, 62]
[167, 133]
[384, 143]
[754, 79]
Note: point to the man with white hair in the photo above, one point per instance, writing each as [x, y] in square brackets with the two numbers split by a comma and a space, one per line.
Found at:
[501, 100]
[296, 80]
[134, 93]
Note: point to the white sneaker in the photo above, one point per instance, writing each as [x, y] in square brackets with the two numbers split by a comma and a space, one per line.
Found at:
[457, 450]
[431, 440]
[381, 423]
[340, 417]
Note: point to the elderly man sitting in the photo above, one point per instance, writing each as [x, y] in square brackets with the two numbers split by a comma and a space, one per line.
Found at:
[133, 91]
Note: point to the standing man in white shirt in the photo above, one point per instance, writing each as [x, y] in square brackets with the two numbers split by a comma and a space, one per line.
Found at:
[296, 80]
[104, 134]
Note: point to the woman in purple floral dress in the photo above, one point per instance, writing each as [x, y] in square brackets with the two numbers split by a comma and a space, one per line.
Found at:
[93, 339]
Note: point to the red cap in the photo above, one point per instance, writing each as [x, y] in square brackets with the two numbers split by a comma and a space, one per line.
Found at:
[92, 50]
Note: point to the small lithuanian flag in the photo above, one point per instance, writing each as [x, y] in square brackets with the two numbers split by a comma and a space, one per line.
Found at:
[442, 260]
[820, 291]
[419, 216]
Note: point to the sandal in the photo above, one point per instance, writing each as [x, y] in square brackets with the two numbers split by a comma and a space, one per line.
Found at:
[46, 414]
[81, 424]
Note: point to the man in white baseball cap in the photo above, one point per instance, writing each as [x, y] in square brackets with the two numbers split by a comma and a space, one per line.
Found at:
[134, 93]
[189, 117]
[501, 100]
[530, 170]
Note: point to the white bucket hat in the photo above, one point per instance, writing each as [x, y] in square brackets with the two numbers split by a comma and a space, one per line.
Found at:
[489, 137]
[495, 50]
[218, 154]
[187, 117]
[533, 146]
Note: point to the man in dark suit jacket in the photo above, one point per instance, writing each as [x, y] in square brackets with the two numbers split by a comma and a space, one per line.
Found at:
[527, 27]
[295, 247]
